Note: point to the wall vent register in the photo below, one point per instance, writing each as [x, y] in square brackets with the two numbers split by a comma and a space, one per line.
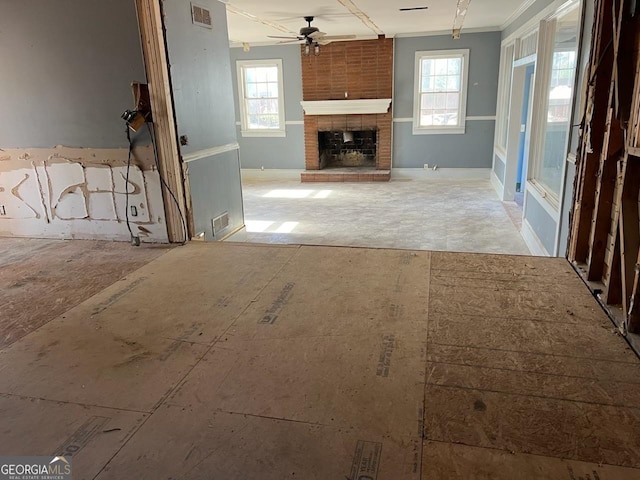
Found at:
[201, 16]
[220, 223]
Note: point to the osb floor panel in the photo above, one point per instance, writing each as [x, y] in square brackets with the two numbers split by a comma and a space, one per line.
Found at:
[51, 276]
[223, 361]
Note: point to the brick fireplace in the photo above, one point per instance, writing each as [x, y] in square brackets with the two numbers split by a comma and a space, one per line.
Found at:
[346, 73]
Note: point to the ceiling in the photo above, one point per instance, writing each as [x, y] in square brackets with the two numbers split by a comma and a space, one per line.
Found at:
[251, 21]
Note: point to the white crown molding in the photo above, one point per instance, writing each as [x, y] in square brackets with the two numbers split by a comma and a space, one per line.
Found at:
[519, 11]
[276, 43]
[437, 33]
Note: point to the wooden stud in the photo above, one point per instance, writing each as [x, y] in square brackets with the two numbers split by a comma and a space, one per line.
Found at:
[599, 79]
[156, 64]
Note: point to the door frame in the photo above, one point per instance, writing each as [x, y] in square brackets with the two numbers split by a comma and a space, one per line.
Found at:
[516, 103]
[175, 194]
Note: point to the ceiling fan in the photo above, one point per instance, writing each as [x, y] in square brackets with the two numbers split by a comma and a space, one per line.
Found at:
[312, 36]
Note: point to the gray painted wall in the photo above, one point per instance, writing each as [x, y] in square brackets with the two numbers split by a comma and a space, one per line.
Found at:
[474, 149]
[203, 97]
[72, 78]
[274, 152]
[499, 168]
[200, 75]
[541, 222]
[214, 181]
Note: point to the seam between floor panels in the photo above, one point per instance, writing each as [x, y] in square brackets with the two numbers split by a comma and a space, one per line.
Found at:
[504, 450]
[552, 355]
[181, 381]
[533, 372]
[423, 425]
[542, 397]
[79, 404]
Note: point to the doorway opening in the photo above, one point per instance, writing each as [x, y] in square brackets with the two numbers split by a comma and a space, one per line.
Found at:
[525, 133]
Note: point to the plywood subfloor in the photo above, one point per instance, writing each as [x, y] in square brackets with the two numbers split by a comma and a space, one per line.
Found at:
[270, 362]
[40, 279]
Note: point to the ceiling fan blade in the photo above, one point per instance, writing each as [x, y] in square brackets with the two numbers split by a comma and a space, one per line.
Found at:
[289, 41]
[288, 38]
[316, 35]
[339, 37]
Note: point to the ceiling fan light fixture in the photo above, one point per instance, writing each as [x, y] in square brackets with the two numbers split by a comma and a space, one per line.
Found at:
[316, 49]
[307, 49]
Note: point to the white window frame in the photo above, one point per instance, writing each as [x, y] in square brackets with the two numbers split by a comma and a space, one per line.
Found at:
[460, 128]
[245, 131]
[539, 122]
[505, 83]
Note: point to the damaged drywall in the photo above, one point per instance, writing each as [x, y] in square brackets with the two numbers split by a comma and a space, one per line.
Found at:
[66, 192]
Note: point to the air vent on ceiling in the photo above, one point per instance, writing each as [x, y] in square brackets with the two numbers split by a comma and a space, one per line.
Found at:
[220, 223]
[201, 16]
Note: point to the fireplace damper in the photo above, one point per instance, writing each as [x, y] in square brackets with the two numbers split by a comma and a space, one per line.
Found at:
[348, 149]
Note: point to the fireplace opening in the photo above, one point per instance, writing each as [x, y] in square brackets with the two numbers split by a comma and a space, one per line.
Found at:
[348, 149]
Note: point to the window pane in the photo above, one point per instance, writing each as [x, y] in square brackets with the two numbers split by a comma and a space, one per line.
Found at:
[453, 83]
[426, 118]
[453, 100]
[272, 74]
[428, 101]
[427, 67]
[262, 74]
[262, 105]
[441, 66]
[440, 84]
[264, 121]
[452, 117]
[250, 74]
[253, 106]
[454, 66]
[558, 118]
[252, 90]
[272, 90]
[427, 84]
[262, 97]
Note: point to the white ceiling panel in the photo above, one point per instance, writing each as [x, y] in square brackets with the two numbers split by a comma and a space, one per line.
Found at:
[253, 20]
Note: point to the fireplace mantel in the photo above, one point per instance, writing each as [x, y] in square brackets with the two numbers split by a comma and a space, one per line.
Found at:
[346, 107]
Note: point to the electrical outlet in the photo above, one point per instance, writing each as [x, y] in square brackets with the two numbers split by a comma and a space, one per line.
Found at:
[3, 211]
[134, 211]
[426, 166]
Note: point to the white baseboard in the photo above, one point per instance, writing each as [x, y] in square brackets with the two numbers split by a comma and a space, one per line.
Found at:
[497, 184]
[270, 174]
[414, 173]
[452, 173]
[532, 240]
